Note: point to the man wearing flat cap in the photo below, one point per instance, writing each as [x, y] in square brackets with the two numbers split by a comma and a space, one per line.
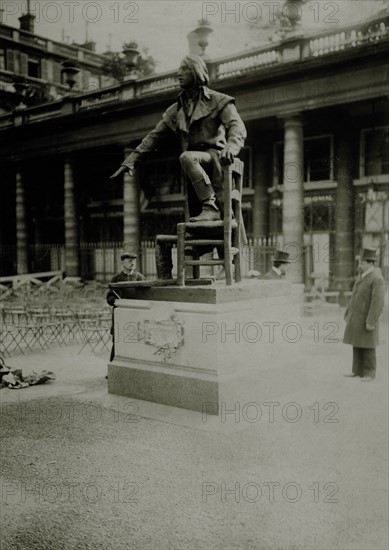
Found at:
[280, 264]
[210, 132]
[362, 317]
[128, 273]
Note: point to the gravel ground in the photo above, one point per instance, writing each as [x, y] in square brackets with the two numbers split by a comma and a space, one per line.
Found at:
[82, 469]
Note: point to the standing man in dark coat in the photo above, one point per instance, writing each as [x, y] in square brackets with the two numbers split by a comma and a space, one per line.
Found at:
[128, 273]
[210, 132]
[280, 264]
[362, 317]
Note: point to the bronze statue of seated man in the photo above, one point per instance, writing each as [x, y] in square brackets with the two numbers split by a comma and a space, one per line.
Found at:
[210, 131]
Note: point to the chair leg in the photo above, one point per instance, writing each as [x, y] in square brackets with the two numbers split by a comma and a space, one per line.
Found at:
[181, 254]
[158, 259]
[228, 265]
[238, 272]
[196, 268]
[237, 257]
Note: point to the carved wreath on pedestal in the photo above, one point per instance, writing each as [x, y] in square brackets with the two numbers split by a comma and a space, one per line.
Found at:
[167, 335]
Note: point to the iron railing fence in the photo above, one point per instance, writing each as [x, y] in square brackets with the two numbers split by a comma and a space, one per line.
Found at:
[101, 260]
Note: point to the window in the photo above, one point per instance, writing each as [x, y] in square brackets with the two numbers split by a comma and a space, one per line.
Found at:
[34, 68]
[2, 60]
[375, 216]
[12, 62]
[372, 210]
[318, 160]
[375, 151]
[318, 216]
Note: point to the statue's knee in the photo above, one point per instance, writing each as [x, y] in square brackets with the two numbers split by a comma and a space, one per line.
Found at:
[186, 159]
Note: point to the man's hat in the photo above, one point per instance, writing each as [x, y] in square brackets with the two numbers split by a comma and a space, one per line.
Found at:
[281, 257]
[368, 254]
[130, 255]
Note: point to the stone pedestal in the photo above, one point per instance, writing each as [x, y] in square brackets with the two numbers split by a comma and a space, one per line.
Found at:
[191, 347]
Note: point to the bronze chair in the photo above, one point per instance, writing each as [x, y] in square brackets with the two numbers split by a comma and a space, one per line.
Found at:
[228, 234]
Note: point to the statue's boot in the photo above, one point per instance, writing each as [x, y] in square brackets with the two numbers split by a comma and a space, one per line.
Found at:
[210, 212]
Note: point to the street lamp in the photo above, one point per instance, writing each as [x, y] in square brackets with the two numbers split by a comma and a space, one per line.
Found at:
[276, 197]
[21, 88]
[292, 9]
[131, 53]
[203, 31]
[70, 70]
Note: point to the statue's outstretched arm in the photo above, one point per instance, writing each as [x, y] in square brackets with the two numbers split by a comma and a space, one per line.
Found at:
[147, 145]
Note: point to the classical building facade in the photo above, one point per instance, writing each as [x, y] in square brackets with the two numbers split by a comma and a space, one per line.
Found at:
[316, 160]
[37, 61]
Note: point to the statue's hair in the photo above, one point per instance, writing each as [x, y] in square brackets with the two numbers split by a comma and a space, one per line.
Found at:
[198, 67]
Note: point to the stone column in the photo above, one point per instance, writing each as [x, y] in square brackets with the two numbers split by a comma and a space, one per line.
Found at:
[21, 227]
[293, 197]
[131, 212]
[71, 223]
[260, 202]
[344, 211]
[260, 206]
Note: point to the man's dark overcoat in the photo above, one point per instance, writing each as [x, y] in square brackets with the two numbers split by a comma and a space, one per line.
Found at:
[120, 278]
[365, 306]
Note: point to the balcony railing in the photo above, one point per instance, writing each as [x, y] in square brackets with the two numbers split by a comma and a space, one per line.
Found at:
[294, 49]
[249, 63]
[66, 50]
[6, 31]
[7, 79]
[302, 49]
[32, 39]
[332, 43]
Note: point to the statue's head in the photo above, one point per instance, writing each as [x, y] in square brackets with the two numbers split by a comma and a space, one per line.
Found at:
[193, 72]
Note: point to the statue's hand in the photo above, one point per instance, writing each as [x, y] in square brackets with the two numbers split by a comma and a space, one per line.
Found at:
[121, 170]
[369, 327]
[227, 156]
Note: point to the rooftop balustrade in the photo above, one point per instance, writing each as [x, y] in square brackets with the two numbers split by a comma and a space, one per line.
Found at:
[6, 31]
[7, 80]
[257, 61]
[72, 51]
